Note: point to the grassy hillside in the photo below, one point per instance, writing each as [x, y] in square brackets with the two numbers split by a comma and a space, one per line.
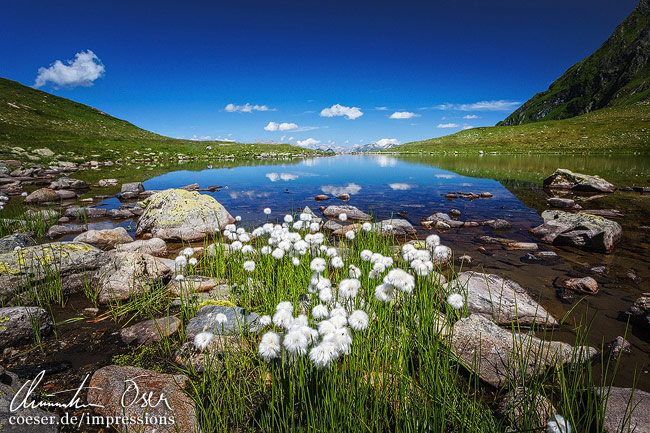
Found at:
[32, 119]
[618, 73]
[622, 129]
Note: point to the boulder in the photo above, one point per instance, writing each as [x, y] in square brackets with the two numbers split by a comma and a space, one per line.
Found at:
[154, 246]
[42, 195]
[105, 239]
[68, 183]
[503, 301]
[586, 285]
[523, 407]
[626, 410]
[560, 203]
[107, 182]
[500, 357]
[321, 197]
[332, 225]
[239, 321]
[640, 310]
[497, 224]
[131, 190]
[566, 179]
[395, 226]
[130, 274]
[150, 331]
[18, 240]
[44, 151]
[180, 215]
[578, 230]
[119, 214]
[32, 265]
[110, 386]
[440, 219]
[62, 230]
[222, 345]
[84, 212]
[18, 324]
[353, 213]
[197, 284]
[66, 194]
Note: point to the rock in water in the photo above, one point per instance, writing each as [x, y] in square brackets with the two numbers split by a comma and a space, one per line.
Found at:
[32, 265]
[640, 311]
[238, 321]
[503, 301]
[105, 239]
[11, 242]
[499, 356]
[111, 385]
[578, 230]
[626, 410]
[180, 215]
[42, 195]
[68, 183]
[130, 274]
[18, 324]
[150, 331]
[353, 213]
[566, 179]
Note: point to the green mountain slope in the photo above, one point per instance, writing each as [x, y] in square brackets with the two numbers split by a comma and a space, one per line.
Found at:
[31, 119]
[617, 73]
[622, 129]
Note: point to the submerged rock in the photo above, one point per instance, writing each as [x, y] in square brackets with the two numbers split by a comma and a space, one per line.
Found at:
[586, 285]
[499, 356]
[640, 310]
[238, 321]
[68, 183]
[566, 179]
[626, 410]
[111, 385]
[130, 274]
[18, 240]
[180, 215]
[150, 331]
[59, 230]
[42, 195]
[394, 226]
[561, 203]
[19, 324]
[105, 239]
[503, 301]
[353, 213]
[32, 265]
[84, 212]
[579, 230]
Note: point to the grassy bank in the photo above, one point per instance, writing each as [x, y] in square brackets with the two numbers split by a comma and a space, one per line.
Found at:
[622, 129]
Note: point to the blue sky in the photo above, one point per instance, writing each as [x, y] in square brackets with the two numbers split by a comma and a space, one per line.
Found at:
[173, 67]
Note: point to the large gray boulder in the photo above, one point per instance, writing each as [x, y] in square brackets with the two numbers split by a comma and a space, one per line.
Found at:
[566, 179]
[502, 301]
[239, 321]
[19, 324]
[129, 274]
[580, 230]
[68, 183]
[18, 240]
[33, 265]
[180, 215]
[42, 195]
[499, 356]
[84, 212]
[150, 331]
[105, 239]
[154, 246]
[395, 226]
[353, 213]
[110, 386]
[626, 410]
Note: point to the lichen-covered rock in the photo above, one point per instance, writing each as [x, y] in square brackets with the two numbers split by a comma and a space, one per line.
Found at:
[105, 239]
[32, 265]
[566, 179]
[626, 410]
[500, 357]
[196, 284]
[42, 195]
[238, 321]
[353, 213]
[154, 246]
[19, 324]
[18, 240]
[578, 230]
[59, 230]
[129, 274]
[395, 226]
[180, 215]
[150, 331]
[68, 183]
[110, 386]
[84, 212]
[503, 301]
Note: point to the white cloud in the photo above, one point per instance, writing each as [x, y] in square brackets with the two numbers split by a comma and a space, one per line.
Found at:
[401, 186]
[381, 108]
[350, 188]
[274, 177]
[385, 161]
[308, 142]
[82, 71]
[403, 115]
[341, 110]
[448, 125]
[470, 116]
[247, 108]
[498, 105]
[274, 126]
[385, 142]
[466, 126]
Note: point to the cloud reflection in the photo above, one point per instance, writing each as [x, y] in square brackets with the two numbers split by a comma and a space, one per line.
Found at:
[350, 188]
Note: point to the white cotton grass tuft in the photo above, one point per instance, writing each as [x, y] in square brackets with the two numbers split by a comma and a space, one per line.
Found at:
[557, 424]
[238, 218]
[349, 235]
[323, 354]
[236, 246]
[283, 319]
[400, 279]
[221, 318]
[179, 277]
[339, 321]
[192, 261]
[325, 294]
[270, 346]
[266, 250]
[277, 253]
[203, 340]
[295, 261]
[385, 292]
[343, 216]
[337, 263]
[358, 320]
[318, 264]
[247, 249]
[267, 210]
[456, 301]
[23, 194]
[349, 287]
[295, 342]
[326, 327]
[366, 227]
[284, 305]
[366, 255]
[342, 338]
[331, 252]
[314, 227]
[288, 219]
[265, 320]
[319, 312]
[188, 252]
[354, 272]
[433, 241]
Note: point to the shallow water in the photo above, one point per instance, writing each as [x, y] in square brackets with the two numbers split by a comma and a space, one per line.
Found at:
[415, 188]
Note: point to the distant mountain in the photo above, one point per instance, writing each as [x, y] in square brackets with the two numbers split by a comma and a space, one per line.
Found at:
[374, 146]
[618, 73]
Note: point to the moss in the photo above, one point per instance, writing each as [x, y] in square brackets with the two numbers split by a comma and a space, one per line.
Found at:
[147, 357]
[218, 302]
